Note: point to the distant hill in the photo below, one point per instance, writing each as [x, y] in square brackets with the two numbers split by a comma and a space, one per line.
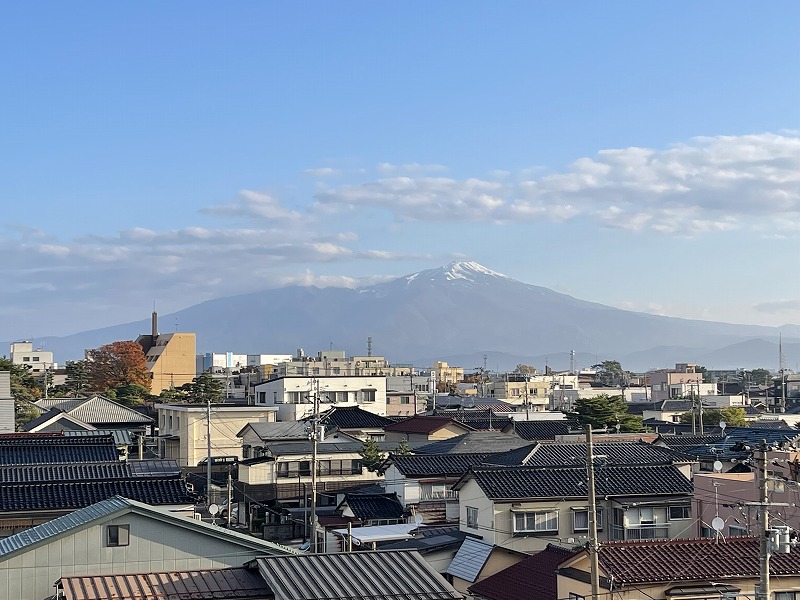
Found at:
[461, 311]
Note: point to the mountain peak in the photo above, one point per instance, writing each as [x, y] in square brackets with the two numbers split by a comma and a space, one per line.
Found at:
[466, 271]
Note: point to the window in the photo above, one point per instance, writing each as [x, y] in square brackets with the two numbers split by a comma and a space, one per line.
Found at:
[405, 400]
[118, 535]
[574, 596]
[785, 595]
[735, 531]
[580, 520]
[35, 359]
[535, 522]
[472, 517]
[368, 395]
[677, 513]
[26, 359]
[262, 397]
[170, 422]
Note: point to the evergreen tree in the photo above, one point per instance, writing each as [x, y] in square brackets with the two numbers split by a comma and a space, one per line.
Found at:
[606, 411]
[77, 376]
[203, 388]
[402, 449]
[371, 456]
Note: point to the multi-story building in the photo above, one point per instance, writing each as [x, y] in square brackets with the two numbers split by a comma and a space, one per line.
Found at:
[183, 430]
[682, 381]
[37, 360]
[170, 357]
[293, 396]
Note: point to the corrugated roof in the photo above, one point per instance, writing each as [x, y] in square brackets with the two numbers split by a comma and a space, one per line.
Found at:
[84, 517]
[96, 410]
[122, 437]
[377, 575]
[279, 430]
[469, 560]
[211, 584]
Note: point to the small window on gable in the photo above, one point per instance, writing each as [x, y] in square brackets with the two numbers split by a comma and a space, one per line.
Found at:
[118, 535]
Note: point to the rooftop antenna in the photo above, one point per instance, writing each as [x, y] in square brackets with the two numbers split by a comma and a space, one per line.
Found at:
[369, 345]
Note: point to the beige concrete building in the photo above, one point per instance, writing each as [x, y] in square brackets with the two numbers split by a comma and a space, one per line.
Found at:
[36, 359]
[183, 430]
[171, 357]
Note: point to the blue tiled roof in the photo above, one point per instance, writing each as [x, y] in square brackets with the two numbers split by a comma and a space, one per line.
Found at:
[468, 562]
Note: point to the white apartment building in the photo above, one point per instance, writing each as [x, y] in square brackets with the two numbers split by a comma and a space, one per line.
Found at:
[22, 353]
[293, 396]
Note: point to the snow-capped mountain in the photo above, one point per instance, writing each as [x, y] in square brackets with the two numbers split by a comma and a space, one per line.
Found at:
[457, 309]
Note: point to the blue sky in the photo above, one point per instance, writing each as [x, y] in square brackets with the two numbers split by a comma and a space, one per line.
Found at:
[644, 155]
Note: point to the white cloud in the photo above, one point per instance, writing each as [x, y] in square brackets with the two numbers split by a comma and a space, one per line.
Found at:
[251, 204]
[708, 184]
[322, 172]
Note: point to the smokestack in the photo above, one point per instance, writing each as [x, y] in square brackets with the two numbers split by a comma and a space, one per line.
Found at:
[155, 326]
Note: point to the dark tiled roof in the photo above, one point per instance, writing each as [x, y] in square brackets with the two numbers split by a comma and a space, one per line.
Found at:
[681, 441]
[367, 507]
[543, 430]
[72, 495]
[430, 539]
[676, 405]
[570, 482]
[423, 424]
[35, 449]
[354, 417]
[427, 465]
[534, 577]
[512, 458]
[619, 453]
[88, 471]
[690, 560]
[474, 442]
[206, 584]
[479, 419]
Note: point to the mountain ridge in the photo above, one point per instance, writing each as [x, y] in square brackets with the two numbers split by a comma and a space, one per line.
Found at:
[457, 309]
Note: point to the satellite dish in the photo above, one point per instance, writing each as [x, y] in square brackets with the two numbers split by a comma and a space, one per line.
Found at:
[213, 510]
[723, 425]
[418, 519]
[717, 466]
[718, 524]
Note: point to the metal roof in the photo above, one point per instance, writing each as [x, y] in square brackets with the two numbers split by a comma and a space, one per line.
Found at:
[112, 507]
[377, 575]
[216, 584]
[469, 560]
[122, 437]
[96, 410]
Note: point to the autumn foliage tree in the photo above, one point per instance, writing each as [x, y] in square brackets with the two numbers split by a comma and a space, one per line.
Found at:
[116, 365]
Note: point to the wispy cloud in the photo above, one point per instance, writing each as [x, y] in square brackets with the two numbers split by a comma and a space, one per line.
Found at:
[706, 185]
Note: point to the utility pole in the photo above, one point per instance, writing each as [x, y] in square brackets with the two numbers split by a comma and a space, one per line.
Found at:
[700, 407]
[763, 516]
[314, 441]
[594, 547]
[230, 497]
[208, 452]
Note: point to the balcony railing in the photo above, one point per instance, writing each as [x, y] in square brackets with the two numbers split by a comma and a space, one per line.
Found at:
[439, 495]
[641, 532]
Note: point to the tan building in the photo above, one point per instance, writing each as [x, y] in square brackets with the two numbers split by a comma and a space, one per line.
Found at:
[447, 376]
[183, 430]
[171, 357]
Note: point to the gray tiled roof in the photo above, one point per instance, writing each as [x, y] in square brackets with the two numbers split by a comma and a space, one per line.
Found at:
[367, 507]
[89, 471]
[353, 417]
[470, 559]
[474, 442]
[422, 465]
[570, 482]
[619, 453]
[121, 437]
[279, 430]
[70, 495]
[35, 449]
[543, 430]
[376, 575]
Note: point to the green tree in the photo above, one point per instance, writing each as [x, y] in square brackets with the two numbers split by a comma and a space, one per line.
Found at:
[402, 448]
[77, 376]
[117, 364]
[525, 369]
[760, 377]
[609, 373]
[203, 388]
[371, 456]
[131, 394]
[733, 416]
[606, 411]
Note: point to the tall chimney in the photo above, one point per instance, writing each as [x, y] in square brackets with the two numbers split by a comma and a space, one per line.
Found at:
[155, 326]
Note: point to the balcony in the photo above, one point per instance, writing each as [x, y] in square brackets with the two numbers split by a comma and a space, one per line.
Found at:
[653, 531]
[438, 495]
